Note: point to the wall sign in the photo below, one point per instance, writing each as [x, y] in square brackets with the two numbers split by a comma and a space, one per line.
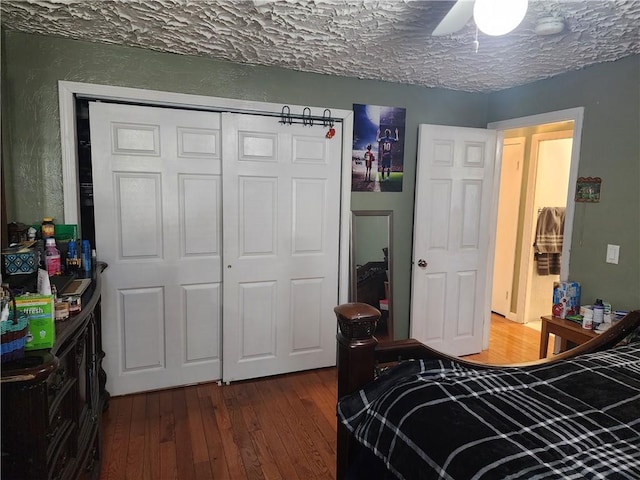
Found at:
[588, 189]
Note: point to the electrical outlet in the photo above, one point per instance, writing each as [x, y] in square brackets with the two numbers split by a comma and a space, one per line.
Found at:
[613, 253]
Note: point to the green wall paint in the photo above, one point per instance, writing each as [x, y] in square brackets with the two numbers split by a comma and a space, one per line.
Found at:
[371, 237]
[610, 149]
[32, 65]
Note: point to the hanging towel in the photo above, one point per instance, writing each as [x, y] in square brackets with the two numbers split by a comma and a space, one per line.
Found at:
[549, 238]
[548, 263]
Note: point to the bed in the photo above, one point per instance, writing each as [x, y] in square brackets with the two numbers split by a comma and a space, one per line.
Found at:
[574, 415]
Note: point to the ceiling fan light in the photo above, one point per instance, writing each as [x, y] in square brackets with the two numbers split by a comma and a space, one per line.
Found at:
[499, 17]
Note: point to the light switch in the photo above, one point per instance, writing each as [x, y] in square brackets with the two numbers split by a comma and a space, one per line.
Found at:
[613, 253]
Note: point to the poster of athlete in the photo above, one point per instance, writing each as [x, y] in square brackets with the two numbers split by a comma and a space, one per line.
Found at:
[378, 148]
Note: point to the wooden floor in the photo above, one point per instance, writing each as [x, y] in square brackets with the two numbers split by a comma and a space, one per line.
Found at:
[281, 427]
[510, 342]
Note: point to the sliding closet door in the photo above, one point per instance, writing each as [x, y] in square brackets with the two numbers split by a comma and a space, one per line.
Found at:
[157, 195]
[281, 223]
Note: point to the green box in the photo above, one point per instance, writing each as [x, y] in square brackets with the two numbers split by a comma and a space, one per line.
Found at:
[42, 327]
[63, 232]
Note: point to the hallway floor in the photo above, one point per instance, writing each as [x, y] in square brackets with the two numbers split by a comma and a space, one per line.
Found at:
[511, 342]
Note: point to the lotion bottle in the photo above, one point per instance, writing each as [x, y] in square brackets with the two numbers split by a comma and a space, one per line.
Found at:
[52, 257]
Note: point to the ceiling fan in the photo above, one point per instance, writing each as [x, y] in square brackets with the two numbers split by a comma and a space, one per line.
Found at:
[493, 17]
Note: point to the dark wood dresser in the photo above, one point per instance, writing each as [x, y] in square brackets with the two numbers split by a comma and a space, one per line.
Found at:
[370, 283]
[52, 401]
[370, 289]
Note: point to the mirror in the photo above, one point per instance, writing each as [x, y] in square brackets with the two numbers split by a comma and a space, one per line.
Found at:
[371, 264]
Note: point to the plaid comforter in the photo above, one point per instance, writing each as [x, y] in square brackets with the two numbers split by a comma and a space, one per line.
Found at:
[575, 419]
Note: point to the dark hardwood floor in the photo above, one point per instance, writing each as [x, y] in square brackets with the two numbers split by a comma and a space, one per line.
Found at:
[281, 427]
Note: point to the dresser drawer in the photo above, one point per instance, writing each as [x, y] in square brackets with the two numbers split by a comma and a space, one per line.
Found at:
[61, 418]
[62, 463]
[60, 381]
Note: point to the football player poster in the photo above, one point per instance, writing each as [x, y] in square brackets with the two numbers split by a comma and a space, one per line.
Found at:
[378, 148]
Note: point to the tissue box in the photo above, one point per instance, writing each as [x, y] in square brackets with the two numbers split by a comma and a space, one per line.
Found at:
[42, 328]
[566, 299]
[19, 262]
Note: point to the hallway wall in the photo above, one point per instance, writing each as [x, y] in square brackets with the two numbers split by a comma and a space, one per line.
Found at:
[552, 180]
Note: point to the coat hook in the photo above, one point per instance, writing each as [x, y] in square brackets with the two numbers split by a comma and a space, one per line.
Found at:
[285, 115]
[327, 121]
[306, 117]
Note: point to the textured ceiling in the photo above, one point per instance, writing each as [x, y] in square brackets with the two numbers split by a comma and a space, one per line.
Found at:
[375, 39]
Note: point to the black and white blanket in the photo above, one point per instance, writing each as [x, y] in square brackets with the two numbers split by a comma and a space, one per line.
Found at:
[575, 419]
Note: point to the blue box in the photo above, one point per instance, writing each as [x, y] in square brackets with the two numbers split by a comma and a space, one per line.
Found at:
[19, 262]
[566, 299]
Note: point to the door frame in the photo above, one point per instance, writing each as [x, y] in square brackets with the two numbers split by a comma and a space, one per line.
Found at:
[67, 91]
[527, 264]
[571, 114]
[515, 141]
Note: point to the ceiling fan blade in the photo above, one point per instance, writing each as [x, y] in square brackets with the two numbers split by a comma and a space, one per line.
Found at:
[458, 17]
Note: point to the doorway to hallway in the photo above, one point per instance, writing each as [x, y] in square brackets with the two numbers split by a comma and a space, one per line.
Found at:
[535, 177]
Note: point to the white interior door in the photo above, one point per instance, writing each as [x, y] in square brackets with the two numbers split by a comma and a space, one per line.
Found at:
[157, 194]
[507, 225]
[451, 237]
[282, 211]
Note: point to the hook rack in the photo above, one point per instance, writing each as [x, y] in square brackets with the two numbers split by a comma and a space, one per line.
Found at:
[306, 119]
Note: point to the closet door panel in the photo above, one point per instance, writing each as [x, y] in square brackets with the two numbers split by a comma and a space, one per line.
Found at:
[157, 202]
[281, 235]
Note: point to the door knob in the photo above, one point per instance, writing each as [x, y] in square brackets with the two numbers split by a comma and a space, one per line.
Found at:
[422, 263]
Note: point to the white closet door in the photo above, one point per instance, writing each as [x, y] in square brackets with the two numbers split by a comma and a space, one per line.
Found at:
[281, 215]
[157, 196]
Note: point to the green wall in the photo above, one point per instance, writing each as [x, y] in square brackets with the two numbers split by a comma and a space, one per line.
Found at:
[32, 66]
[610, 149]
[372, 235]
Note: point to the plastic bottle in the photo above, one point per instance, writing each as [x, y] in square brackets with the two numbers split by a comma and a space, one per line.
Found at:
[52, 257]
[86, 257]
[48, 227]
[73, 259]
[587, 318]
[598, 313]
[71, 250]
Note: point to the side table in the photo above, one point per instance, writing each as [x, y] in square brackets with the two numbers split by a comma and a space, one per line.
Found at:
[567, 330]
